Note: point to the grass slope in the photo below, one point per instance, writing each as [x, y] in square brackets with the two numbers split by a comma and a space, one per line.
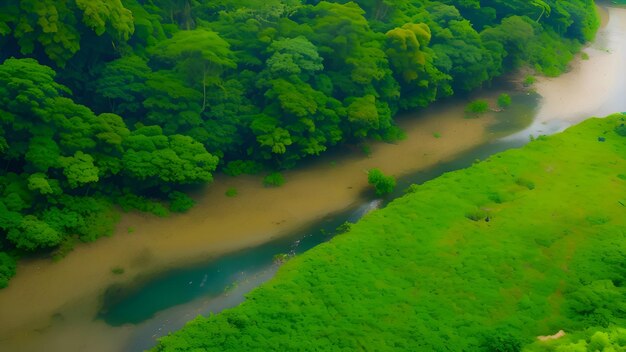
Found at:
[525, 243]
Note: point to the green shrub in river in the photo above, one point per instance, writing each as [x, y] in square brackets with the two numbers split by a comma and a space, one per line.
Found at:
[477, 107]
[275, 179]
[382, 184]
[419, 275]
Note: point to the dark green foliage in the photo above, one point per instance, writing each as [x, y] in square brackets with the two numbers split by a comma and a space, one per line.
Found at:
[239, 167]
[275, 179]
[419, 276]
[180, 202]
[7, 269]
[231, 192]
[383, 184]
[621, 130]
[117, 270]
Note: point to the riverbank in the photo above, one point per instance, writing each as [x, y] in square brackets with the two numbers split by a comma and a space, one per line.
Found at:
[519, 245]
[145, 244]
[67, 293]
[589, 88]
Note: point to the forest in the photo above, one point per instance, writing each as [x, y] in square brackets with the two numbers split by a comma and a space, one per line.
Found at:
[109, 104]
[488, 258]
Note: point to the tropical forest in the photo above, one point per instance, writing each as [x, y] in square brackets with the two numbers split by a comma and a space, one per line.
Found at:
[312, 175]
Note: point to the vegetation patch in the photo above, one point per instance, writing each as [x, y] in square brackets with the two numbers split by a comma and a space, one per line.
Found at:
[275, 179]
[383, 184]
[418, 276]
[477, 107]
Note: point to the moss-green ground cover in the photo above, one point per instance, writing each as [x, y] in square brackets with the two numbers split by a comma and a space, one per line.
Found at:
[525, 243]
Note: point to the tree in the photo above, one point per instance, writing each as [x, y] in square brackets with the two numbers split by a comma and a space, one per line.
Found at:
[200, 54]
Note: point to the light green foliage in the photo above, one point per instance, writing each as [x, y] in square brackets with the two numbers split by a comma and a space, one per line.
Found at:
[529, 81]
[504, 100]
[99, 14]
[419, 276]
[294, 56]
[477, 106]
[382, 184]
[607, 339]
[275, 179]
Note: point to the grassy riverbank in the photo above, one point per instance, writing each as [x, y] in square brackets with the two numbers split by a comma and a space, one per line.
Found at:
[525, 243]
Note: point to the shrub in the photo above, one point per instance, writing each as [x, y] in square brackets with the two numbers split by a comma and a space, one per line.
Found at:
[525, 183]
[231, 192]
[529, 81]
[180, 202]
[477, 107]
[382, 184]
[621, 130]
[504, 100]
[275, 179]
[117, 270]
[7, 269]
[476, 214]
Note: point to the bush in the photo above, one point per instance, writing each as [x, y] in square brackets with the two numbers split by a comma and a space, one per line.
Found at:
[476, 215]
[118, 270]
[275, 179]
[7, 269]
[621, 130]
[529, 81]
[382, 184]
[180, 202]
[231, 192]
[504, 100]
[477, 106]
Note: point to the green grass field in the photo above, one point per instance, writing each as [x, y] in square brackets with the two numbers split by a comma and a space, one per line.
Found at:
[523, 244]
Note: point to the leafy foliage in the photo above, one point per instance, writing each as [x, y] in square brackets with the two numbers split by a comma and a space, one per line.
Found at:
[159, 93]
[382, 184]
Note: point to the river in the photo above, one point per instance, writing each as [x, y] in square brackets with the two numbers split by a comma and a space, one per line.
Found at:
[54, 306]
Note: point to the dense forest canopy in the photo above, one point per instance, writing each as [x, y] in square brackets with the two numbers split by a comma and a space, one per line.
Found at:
[107, 102]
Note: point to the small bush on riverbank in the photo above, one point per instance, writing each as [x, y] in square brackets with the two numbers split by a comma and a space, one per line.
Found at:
[529, 81]
[180, 202]
[504, 100]
[477, 107]
[231, 192]
[383, 184]
[275, 179]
